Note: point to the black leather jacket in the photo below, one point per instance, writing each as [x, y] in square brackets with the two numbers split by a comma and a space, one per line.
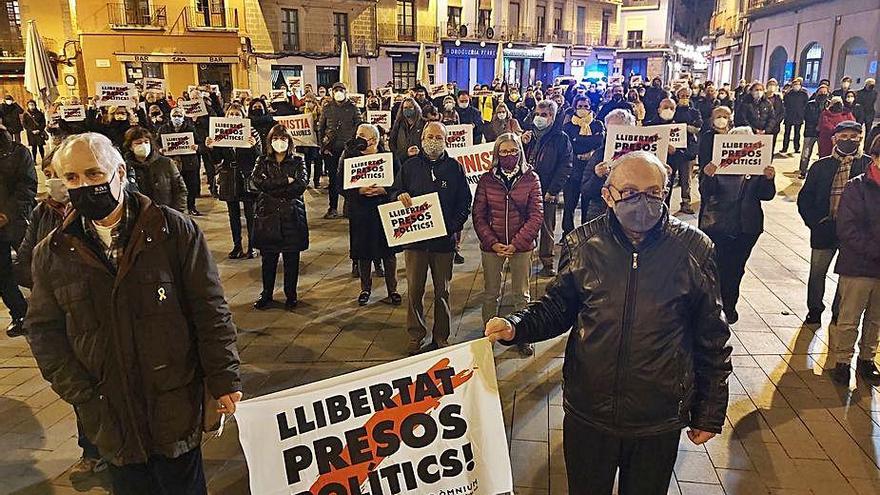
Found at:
[649, 350]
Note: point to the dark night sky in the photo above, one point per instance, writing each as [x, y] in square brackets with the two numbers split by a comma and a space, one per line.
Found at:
[692, 18]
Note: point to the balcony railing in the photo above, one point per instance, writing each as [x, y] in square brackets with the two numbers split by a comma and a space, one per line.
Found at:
[408, 33]
[473, 31]
[211, 18]
[136, 15]
[328, 44]
[557, 37]
[11, 45]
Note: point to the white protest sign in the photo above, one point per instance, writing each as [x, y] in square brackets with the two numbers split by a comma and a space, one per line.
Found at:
[369, 170]
[178, 143]
[621, 139]
[278, 95]
[677, 135]
[194, 108]
[72, 113]
[230, 132]
[437, 90]
[385, 92]
[475, 161]
[427, 424]
[241, 94]
[116, 94]
[738, 154]
[358, 99]
[380, 118]
[420, 222]
[214, 88]
[294, 83]
[301, 128]
[459, 136]
[154, 84]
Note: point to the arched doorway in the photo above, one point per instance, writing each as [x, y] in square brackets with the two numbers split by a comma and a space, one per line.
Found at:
[776, 66]
[811, 64]
[853, 61]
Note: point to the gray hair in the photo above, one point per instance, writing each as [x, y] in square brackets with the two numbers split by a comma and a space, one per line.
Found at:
[620, 116]
[504, 138]
[437, 123]
[373, 129]
[640, 156]
[100, 145]
[547, 104]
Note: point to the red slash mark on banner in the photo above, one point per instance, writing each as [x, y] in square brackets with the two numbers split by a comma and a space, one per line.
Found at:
[364, 171]
[225, 133]
[740, 153]
[395, 415]
[409, 220]
[112, 94]
[638, 144]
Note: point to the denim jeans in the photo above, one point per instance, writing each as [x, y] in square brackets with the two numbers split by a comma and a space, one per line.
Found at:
[807, 152]
[820, 261]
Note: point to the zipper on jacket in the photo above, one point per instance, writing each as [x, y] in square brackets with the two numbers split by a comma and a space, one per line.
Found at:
[625, 328]
[507, 218]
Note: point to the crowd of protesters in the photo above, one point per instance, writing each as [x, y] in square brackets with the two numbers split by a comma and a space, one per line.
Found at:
[122, 214]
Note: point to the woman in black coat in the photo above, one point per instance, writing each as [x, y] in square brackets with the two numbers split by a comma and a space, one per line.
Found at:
[366, 235]
[34, 122]
[188, 164]
[730, 212]
[281, 226]
[587, 134]
[234, 168]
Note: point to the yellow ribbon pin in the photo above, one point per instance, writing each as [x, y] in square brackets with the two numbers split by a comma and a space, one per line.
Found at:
[161, 293]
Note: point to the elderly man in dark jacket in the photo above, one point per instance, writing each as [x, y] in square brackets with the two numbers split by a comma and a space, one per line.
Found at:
[756, 111]
[818, 204]
[859, 268]
[338, 123]
[654, 94]
[795, 103]
[867, 98]
[432, 170]
[641, 363]
[548, 151]
[18, 186]
[467, 114]
[129, 324]
[813, 111]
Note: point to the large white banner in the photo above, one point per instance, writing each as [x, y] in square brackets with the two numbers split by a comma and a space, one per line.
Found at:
[459, 136]
[369, 170]
[475, 160]
[428, 424]
[419, 222]
[301, 127]
[739, 154]
[621, 139]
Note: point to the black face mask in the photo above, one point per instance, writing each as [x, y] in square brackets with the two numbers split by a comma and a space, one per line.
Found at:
[357, 144]
[617, 97]
[848, 147]
[94, 202]
[257, 112]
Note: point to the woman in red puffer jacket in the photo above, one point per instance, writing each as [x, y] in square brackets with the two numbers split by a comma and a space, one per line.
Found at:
[508, 212]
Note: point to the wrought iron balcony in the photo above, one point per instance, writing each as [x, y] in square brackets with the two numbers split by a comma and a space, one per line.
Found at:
[473, 31]
[211, 19]
[136, 15]
[327, 44]
[408, 33]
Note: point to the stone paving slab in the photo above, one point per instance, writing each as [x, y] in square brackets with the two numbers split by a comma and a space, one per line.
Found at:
[789, 429]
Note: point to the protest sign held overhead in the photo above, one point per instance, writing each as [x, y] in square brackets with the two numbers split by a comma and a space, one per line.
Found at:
[428, 424]
[72, 113]
[620, 140]
[437, 90]
[475, 161]
[420, 222]
[369, 170]
[116, 94]
[278, 95]
[380, 118]
[154, 84]
[179, 143]
[358, 99]
[739, 154]
[677, 135]
[229, 132]
[241, 94]
[194, 108]
[301, 128]
[459, 136]
[385, 92]
[294, 83]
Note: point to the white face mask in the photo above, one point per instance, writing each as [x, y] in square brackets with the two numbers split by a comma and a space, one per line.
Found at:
[667, 114]
[176, 120]
[757, 94]
[280, 145]
[141, 150]
[463, 105]
[58, 190]
[541, 123]
[448, 106]
[339, 95]
[502, 115]
[721, 122]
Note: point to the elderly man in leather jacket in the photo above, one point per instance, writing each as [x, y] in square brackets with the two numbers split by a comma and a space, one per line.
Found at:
[128, 323]
[648, 352]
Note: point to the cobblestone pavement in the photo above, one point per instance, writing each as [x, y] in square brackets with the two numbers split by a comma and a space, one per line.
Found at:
[789, 430]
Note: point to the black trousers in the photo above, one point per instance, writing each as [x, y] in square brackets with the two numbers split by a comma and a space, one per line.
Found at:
[787, 137]
[331, 164]
[366, 273]
[572, 194]
[291, 273]
[731, 255]
[9, 291]
[234, 210]
[161, 476]
[210, 172]
[592, 458]
[38, 148]
[314, 163]
[193, 182]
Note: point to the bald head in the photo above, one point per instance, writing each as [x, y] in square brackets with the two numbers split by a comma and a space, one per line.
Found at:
[638, 170]
[435, 128]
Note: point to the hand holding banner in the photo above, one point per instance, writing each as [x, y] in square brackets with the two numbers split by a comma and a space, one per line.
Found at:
[230, 133]
[277, 95]
[420, 222]
[740, 154]
[301, 128]
[621, 139]
[241, 94]
[194, 108]
[358, 99]
[178, 143]
[426, 424]
[437, 90]
[368, 170]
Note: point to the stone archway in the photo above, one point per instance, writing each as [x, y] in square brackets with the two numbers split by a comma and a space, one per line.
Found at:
[810, 66]
[776, 64]
[853, 60]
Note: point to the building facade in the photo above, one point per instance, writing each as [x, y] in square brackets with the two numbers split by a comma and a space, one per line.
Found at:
[646, 39]
[184, 42]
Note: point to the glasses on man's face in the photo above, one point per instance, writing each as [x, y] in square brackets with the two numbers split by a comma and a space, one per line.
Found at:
[633, 194]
